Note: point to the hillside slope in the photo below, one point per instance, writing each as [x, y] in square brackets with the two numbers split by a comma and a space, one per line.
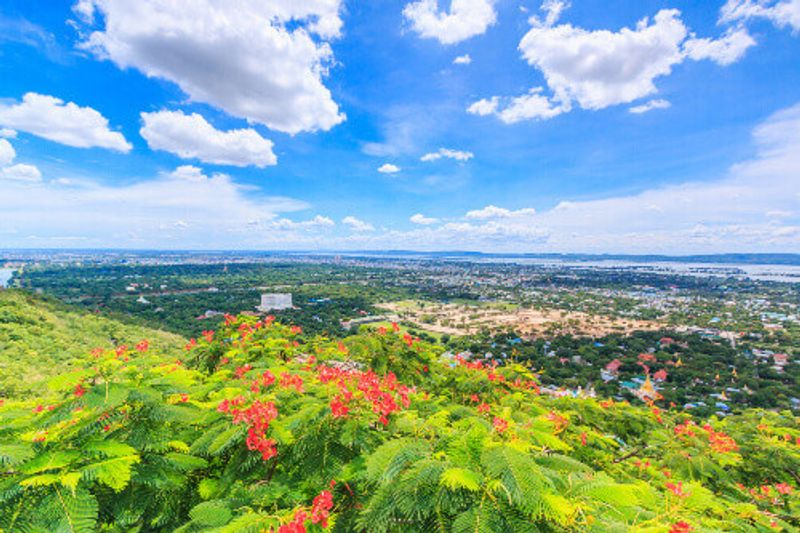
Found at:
[257, 427]
[40, 338]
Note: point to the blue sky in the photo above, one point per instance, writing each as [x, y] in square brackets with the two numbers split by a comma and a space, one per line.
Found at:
[669, 127]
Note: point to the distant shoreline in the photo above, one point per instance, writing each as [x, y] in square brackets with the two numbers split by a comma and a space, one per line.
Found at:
[788, 259]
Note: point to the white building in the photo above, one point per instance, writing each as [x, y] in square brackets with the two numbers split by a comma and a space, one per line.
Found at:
[275, 302]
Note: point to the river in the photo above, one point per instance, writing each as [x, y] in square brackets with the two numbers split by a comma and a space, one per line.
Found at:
[5, 276]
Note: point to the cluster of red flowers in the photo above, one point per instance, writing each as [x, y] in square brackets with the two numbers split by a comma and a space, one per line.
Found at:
[320, 512]
[297, 525]
[78, 391]
[143, 346]
[764, 492]
[500, 424]
[257, 417]
[208, 335]
[321, 507]
[291, 380]
[685, 429]
[676, 489]
[242, 370]
[680, 527]
[719, 441]
[384, 394]
[265, 380]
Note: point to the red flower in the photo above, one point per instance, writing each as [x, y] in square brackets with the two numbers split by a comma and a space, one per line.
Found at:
[484, 408]
[184, 398]
[79, 391]
[680, 527]
[296, 330]
[320, 508]
[143, 346]
[338, 408]
[395, 327]
[583, 439]
[208, 335]
[677, 489]
[191, 344]
[296, 525]
[500, 425]
[242, 370]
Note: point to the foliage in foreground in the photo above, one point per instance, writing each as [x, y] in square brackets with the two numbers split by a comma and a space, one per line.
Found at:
[259, 428]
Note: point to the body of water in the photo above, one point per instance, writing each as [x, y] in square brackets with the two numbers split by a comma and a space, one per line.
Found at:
[5, 276]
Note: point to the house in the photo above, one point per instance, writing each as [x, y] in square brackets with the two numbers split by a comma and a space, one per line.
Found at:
[779, 360]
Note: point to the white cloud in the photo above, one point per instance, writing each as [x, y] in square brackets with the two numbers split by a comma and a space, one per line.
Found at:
[356, 224]
[533, 105]
[21, 172]
[65, 123]
[422, 220]
[596, 69]
[649, 106]
[8, 133]
[7, 153]
[317, 222]
[493, 212]
[262, 61]
[484, 106]
[458, 155]
[388, 168]
[462, 60]
[18, 172]
[781, 13]
[465, 19]
[192, 137]
[185, 208]
[726, 50]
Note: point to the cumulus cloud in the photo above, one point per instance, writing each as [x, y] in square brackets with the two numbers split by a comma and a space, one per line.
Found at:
[8, 133]
[533, 105]
[261, 61]
[356, 224]
[213, 210]
[192, 137]
[781, 13]
[388, 168]
[18, 172]
[66, 123]
[723, 51]
[462, 60]
[7, 153]
[649, 106]
[21, 172]
[465, 19]
[458, 155]
[596, 69]
[422, 220]
[494, 212]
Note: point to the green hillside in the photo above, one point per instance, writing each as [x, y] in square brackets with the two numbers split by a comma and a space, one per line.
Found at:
[40, 338]
[259, 428]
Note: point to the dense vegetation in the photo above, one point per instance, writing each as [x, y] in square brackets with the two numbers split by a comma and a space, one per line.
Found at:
[260, 427]
[41, 337]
